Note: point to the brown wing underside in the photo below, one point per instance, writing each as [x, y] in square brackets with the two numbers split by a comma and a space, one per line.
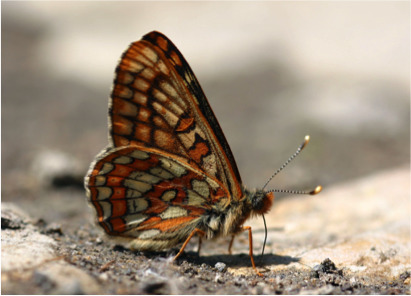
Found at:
[138, 191]
[157, 102]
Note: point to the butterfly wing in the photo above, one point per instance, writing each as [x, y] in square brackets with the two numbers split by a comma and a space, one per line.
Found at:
[156, 199]
[157, 102]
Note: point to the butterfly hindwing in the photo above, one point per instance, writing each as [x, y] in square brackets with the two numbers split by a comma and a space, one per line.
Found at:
[145, 194]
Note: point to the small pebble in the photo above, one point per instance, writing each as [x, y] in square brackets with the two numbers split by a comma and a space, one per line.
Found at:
[219, 279]
[103, 277]
[221, 267]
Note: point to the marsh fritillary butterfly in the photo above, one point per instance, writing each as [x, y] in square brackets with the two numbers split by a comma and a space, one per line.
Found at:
[168, 172]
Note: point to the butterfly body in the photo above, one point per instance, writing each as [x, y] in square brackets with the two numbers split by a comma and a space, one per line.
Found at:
[168, 172]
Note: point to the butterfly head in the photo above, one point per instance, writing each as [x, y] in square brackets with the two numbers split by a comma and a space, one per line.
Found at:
[260, 201]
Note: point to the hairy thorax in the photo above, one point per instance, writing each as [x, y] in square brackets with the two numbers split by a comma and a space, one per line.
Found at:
[229, 220]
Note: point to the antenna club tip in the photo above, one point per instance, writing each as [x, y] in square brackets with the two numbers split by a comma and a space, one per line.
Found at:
[306, 140]
[317, 190]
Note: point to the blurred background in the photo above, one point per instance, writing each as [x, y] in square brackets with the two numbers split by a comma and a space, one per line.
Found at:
[272, 71]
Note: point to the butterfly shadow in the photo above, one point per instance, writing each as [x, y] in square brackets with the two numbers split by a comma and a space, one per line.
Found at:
[233, 260]
[239, 260]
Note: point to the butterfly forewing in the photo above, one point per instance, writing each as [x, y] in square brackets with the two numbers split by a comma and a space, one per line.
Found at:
[157, 102]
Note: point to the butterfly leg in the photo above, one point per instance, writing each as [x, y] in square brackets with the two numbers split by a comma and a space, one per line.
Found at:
[250, 240]
[196, 230]
[231, 244]
[200, 237]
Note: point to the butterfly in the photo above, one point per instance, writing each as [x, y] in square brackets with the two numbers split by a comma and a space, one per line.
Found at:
[168, 172]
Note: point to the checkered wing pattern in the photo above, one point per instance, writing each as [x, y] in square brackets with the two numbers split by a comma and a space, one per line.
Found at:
[168, 161]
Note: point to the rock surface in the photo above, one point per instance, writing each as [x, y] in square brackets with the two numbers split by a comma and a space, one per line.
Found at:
[363, 225]
[30, 257]
[351, 238]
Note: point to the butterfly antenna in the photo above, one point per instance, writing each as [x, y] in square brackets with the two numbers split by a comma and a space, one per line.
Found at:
[312, 192]
[299, 149]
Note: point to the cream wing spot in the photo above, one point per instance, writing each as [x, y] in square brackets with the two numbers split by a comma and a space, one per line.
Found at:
[171, 119]
[180, 104]
[173, 212]
[161, 173]
[150, 54]
[159, 95]
[149, 233]
[123, 160]
[144, 177]
[168, 89]
[104, 193]
[165, 100]
[162, 98]
[169, 116]
[134, 66]
[188, 78]
[133, 193]
[194, 199]
[100, 180]
[107, 209]
[137, 185]
[159, 108]
[168, 195]
[201, 188]
[162, 67]
[213, 184]
[141, 84]
[148, 74]
[143, 59]
[189, 138]
[136, 205]
[134, 220]
[106, 168]
[138, 154]
[173, 167]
